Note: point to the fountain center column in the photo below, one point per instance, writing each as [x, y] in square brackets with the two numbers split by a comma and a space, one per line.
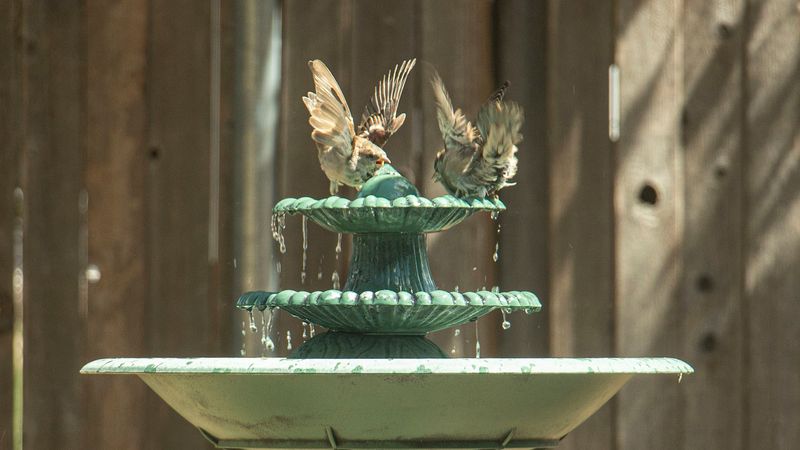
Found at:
[394, 261]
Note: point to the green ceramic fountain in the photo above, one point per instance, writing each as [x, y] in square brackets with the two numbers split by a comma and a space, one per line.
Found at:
[389, 287]
[374, 381]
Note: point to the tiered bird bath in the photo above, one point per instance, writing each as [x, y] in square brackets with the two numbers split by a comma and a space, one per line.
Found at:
[374, 381]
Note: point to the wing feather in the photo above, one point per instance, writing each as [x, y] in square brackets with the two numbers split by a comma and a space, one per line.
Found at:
[456, 129]
[380, 119]
[330, 116]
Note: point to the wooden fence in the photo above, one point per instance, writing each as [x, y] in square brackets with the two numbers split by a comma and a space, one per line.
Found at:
[658, 209]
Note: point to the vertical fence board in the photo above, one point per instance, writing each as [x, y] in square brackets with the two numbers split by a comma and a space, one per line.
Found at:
[11, 138]
[312, 30]
[53, 411]
[711, 136]
[372, 22]
[581, 219]
[772, 233]
[116, 166]
[222, 294]
[648, 202]
[457, 41]
[178, 198]
[524, 262]
[257, 106]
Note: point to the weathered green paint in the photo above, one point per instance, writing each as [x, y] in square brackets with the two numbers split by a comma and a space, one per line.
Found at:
[389, 312]
[386, 403]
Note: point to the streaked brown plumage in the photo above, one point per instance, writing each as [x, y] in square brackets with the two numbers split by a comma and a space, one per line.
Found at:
[348, 155]
[477, 161]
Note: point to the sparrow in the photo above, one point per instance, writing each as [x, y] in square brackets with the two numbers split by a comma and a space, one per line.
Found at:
[477, 161]
[349, 155]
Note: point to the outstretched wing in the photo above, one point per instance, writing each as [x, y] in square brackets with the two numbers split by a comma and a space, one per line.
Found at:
[456, 130]
[500, 124]
[380, 119]
[330, 118]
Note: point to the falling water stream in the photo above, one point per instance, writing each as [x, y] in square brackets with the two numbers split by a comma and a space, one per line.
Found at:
[305, 251]
[335, 274]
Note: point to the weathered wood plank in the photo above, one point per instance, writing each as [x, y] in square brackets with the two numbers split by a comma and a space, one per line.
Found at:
[648, 207]
[11, 137]
[54, 124]
[581, 297]
[312, 30]
[524, 256]
[772, 209]
[373, 22]
[178, 180]
[257, 72]
[711, 136]
[116, 168]
[457, 41]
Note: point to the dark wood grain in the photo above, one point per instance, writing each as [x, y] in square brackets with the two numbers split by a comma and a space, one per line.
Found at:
[178, 182]
[772, 237]
[54, 319]
[116, 168]
[581, 300]
[12, 138]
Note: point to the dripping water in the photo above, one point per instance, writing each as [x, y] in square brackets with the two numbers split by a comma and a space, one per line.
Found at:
[311, 330]
[457, 332]
[253, 327]
[244, 333]
[288, 339]
[335, 274]
[278, 224]
[477, 341]
[506, 324]
[305, 251]
[266, 329]
[495, 255]
[305, 330]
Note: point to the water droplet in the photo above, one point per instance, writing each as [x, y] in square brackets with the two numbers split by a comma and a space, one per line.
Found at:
[453, 350]
[506, 324]
[311, 330]
[338, 245]
[455, 289]
[680, 377]
[496, 255]
[244, 329]
[475, 268]
[278, 267]
[457, 332]
[495, 215]
[335, 279]
[288, 340]
[305, 330]
[235, 263]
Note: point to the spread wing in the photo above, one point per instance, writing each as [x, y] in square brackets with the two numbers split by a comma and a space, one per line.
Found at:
[330, 118]
[380, 119]
[456, 129]
[499, 124]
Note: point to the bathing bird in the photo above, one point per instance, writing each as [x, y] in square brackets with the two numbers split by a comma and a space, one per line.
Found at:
[349, 155]
[477, 161]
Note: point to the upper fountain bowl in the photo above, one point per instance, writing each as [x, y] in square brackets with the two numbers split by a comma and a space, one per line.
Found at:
[387, 203]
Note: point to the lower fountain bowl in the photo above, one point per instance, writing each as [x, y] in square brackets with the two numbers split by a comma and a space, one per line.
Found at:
[389, 312]
[266, 403]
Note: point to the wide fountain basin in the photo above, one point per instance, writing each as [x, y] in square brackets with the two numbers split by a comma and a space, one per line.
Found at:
[386, 403]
